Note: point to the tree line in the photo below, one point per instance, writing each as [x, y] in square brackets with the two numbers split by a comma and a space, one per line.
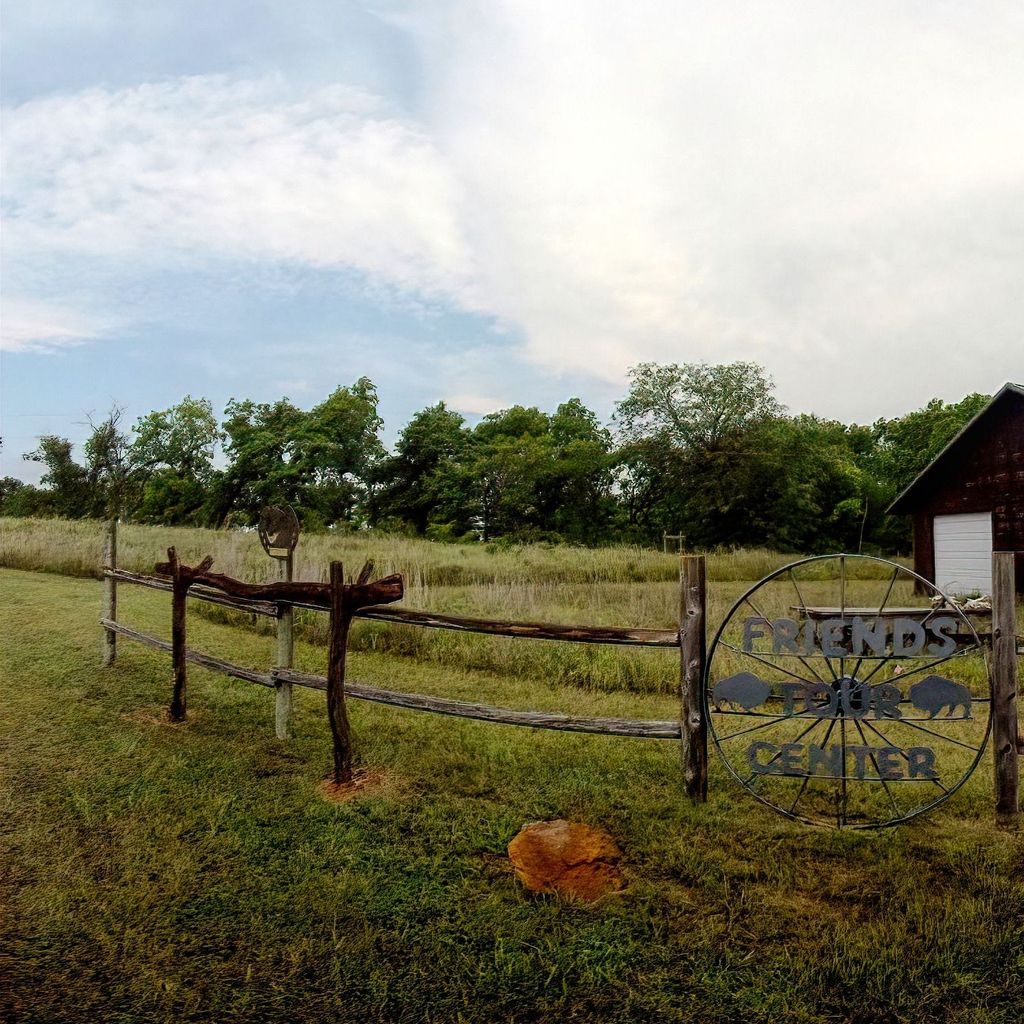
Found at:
[702, 450]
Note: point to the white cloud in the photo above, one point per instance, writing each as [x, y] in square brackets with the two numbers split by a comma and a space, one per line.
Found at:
[207, 167]
[40, 327]
[835, 191]
[474, 404]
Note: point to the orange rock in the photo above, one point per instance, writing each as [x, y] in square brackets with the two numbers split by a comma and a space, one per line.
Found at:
[566, 857]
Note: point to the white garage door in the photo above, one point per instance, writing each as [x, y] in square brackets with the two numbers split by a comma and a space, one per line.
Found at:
[963, 553]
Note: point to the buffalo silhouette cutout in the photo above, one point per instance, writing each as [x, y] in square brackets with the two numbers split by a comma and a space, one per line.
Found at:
[933, 693]
[742, 690]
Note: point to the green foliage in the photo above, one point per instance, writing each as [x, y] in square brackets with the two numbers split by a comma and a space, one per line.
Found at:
[904, 446]
[420, 481]
[318, 461]
[699, 449]
[66, 481]
[695, 405]
[182, 439]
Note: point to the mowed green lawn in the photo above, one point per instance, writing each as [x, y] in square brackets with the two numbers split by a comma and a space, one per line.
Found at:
[155, 872]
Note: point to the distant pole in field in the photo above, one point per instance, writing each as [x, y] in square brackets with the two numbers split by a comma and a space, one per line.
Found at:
[285, 658]
[693, 659]
[110, 593]
[1004, 689]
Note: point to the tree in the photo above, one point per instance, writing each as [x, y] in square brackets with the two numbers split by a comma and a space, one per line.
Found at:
[334, 450]
[509, 453]
[258, 444]
[694, 405]
[182, 438]
[576, 493]
[21, 500]
[319, 461]
[172, 458]
[111, 479]
[677, 424]
[65, 480]
[905, 445]
[421, 480]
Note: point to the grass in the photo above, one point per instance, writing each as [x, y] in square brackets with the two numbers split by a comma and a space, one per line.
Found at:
[75, 548]
[157, 873]
[625, 586]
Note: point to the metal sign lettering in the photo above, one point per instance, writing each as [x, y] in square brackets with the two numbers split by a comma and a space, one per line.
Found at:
[857, 711]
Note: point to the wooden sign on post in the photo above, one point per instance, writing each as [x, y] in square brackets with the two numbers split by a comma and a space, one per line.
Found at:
[279, 535]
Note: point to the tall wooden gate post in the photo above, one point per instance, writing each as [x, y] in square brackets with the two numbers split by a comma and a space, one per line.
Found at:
[285, 655]
[182, 577]
[345, 602]
[110, 593]
[179, 593]
[693, 659]
[1004, 688]
[336, 712]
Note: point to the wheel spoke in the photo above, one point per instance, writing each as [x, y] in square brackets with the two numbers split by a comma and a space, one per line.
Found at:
[874, 618]
[922, 668]
[774, 720]
[775, 757]
[842, 779]
[932, 732]
[765, 661]
[889, 743]
[874, 761]
[810, 668]
[808, 777]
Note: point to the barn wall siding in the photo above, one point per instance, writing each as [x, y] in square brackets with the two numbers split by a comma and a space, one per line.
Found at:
[984, 472]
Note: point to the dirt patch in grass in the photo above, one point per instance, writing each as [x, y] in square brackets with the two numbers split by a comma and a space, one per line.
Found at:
[364, 780]
[157, 715]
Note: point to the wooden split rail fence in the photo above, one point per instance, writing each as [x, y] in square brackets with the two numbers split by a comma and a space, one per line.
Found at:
[369, 600]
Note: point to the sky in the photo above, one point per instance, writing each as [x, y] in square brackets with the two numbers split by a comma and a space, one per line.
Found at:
[499, 203]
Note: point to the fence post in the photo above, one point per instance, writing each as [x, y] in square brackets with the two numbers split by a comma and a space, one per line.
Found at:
[110, 592]
[179, 594]
[285, 655]
[340, 729]
[1004, 688]
[693, 657]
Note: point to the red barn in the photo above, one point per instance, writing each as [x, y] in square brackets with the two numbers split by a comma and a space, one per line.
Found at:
[969, 500]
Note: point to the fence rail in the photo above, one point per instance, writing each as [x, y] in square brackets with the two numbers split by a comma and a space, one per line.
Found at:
[194, 657]
[207, 594]
[613, 635]
[365, 600]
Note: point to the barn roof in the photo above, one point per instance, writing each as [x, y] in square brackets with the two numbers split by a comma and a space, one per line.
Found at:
[905, 502]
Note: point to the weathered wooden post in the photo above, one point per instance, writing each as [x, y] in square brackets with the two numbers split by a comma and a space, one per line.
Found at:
[182, 577]
[336, 712]
[285, 656]
[110, 593]
[1004, 689]
[345, 602]
[693, 658]
[278, 530]
[179, 594]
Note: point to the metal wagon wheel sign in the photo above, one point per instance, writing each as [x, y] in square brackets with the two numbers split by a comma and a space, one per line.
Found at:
[837, 696]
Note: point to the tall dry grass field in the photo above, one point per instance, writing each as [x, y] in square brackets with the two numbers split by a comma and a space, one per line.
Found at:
[627, 586]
